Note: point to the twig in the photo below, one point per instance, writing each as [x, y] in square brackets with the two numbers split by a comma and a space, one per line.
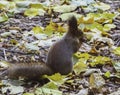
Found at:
[5, 54]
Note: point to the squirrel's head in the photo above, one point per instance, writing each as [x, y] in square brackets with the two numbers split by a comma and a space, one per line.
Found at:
[73, 28]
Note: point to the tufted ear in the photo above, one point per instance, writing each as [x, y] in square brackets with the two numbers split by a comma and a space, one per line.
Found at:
[72, 23]
[73, 29]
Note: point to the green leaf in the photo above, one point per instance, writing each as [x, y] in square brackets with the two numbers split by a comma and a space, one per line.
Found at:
[107, 74]
[3, 17]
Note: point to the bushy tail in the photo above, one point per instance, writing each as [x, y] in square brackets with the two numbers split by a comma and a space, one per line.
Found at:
[28, 70]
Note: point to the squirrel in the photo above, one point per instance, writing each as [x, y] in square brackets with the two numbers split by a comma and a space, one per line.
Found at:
[59, 58]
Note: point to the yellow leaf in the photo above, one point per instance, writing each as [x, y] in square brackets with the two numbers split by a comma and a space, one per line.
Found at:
[61, 29]
[117, 51]
[28, 94]
[93, 51]
[51, 85]
[81, 20]
[52, 27]
[31, 12]
[37, 30]
[37, 6]
[79, 67]
[88, 20]
[56, 78]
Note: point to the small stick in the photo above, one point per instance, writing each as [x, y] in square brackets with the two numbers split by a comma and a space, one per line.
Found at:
[5, 55]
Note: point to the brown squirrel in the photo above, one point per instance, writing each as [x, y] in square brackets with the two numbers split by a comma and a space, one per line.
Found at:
[59, 59]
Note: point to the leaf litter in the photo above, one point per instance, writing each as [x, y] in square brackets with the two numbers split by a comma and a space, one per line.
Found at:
[28, 29]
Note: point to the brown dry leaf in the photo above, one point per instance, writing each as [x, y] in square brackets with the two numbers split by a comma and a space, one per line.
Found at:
[96, 81]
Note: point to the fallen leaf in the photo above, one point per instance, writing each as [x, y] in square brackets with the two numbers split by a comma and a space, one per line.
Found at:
[80, 67]
[66, 16]
[107, 74]
[47, 91]
[28, 94]
[108, 27]
[37, 29]
[117, 66]
[102, 6]
[13, 89]
[31, 46]
[3, 17]
[117, 51]
[96, 81]
[64, 8]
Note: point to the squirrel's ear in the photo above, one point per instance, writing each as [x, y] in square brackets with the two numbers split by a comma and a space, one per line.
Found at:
[72, 24]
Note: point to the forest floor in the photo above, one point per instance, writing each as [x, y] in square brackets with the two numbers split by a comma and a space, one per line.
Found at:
[15, 39]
